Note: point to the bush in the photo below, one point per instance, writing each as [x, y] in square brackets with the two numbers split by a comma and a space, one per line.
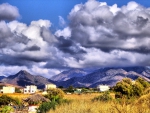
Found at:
[105, 97]
[46, 106]
[143, 82]
[126, 88]
[5, 100]
[6, 109]
[56, 98]
[55, 94]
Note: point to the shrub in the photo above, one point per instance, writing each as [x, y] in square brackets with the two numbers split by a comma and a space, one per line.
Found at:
[143, 82]
[55, 94]
[105, 97]
[46, 106]
[126, 88]
[6, 109]
[5, 100]
[56, 98]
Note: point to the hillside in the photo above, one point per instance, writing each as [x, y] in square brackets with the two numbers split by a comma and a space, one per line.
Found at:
[23, 78]
[80, 77]
[66, 75]
[109, 76]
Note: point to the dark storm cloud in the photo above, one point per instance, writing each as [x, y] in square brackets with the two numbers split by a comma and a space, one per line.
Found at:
[8, 38]
[68, 46]
[20, 59]
[7, 59]
[33, 48]
[8, 12]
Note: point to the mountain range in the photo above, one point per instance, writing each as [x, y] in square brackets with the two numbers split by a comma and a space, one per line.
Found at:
[109, 76]
[80, 77]
[23, 78]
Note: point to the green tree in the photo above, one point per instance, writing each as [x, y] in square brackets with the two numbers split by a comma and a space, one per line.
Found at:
[124, 87]
[70, 89]
[143, 82]
[127, 88]
[137, 89]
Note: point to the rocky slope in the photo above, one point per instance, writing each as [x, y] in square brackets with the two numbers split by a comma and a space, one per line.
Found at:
[80, 77]
[23, 78]
[109, 76]
[66, 75]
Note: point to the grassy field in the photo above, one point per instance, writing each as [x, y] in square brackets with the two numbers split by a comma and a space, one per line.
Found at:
[83, 104]
[17, 95]
[82, 96]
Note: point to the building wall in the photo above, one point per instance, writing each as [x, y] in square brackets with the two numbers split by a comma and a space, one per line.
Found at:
[103, 88]
[48, 86]
[8, 89]
[30, 89]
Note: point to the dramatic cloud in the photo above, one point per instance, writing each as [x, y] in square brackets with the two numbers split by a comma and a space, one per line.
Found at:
[95, 24]
[98, 35]
[26, 43]
[8, 12]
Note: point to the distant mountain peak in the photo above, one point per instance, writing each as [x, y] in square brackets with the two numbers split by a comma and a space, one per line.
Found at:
[23, 72]
[23, 78]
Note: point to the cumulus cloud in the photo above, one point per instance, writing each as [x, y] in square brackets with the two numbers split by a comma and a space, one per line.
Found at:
[95, 24]
[98, 35]
[8, 12]
[66, 33]
[25, 43]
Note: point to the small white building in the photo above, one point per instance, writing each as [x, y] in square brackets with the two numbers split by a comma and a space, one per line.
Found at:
[33, 109]
[49, 86]
[103, 88]
[8, 89]
[30, 89]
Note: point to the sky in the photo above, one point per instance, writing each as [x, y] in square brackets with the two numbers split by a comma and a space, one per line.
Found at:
[47, 37]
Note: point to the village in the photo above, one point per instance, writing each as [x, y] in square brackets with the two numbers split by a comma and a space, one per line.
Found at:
[31, 89]
[35, 94]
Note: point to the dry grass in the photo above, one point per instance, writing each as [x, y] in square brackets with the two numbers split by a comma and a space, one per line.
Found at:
[87, 106]
[83, 104]
[87, 96]
[17, 95]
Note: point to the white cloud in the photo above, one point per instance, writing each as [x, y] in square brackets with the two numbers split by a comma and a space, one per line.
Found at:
[41, 23]
[61, 21]
[8, 12]
[66, 32]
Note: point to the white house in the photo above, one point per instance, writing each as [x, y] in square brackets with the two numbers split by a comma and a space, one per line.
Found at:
[30, 89]
[8, 89]
[49, 86]
[103, 88]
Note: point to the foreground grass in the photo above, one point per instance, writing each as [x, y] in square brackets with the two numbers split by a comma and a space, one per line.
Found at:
[17, 95]
[82, 96]
[85, 105]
